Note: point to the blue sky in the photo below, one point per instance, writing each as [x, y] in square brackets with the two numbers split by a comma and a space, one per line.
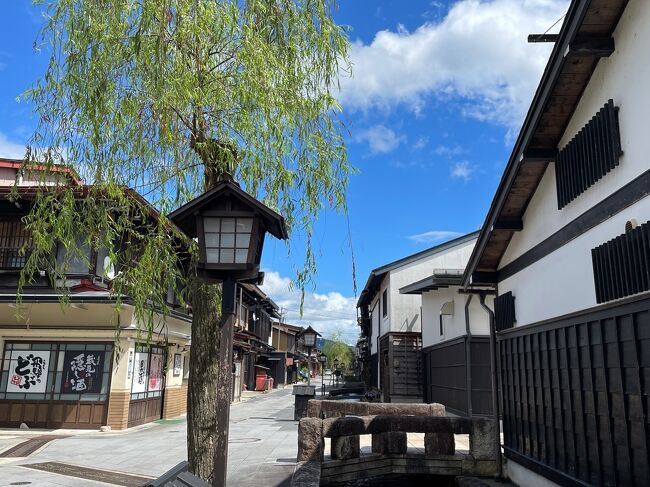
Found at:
[437, 96]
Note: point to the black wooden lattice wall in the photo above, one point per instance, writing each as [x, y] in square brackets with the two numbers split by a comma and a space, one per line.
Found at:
[622, 265]
[504, 311]
[575, 396]
[592, 153]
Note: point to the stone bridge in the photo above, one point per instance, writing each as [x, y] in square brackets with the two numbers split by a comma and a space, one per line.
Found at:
[344, 422]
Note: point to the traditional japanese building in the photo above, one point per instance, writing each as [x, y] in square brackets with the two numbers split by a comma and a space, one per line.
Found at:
[252, 350]
[455, 338]
[391, 321]
[566, 245]
[90, 363]
[287, 354]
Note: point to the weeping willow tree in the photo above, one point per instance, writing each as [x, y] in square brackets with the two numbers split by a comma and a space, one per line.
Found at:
[163, 96]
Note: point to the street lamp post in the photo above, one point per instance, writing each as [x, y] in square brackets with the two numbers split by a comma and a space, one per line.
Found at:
[309, 339]
[323, 360]
[229, 226]
[336, 370]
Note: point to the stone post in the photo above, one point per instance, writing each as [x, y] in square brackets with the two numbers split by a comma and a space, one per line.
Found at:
[439, 444]
[345, 447]
[481, 440]
[310, 440]
[389, 443]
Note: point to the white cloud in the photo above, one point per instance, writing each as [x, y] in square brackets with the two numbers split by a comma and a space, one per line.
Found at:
[421, 143]
[461, 170]
[434, 236]
[380, 139]
[10, 149]
[327, 313]
[477, 54]
[447, 151]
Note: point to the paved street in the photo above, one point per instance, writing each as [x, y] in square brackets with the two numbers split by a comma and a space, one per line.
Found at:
[263, 446]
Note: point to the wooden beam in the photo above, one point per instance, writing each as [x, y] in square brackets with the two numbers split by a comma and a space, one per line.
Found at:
[543, 37]
[538, 155]
[513, 225]
[591, 46]
[484, 277]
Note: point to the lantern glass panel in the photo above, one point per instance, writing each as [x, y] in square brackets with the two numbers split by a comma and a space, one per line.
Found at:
[243, 240]
[241, 256]
[211, 240]
[212, 225]
[227, 256]
[310, 339]
[244, 225]
[227, 240]
[228, 225]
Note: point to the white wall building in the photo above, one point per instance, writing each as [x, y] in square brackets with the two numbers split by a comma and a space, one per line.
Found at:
[394, 320]
[455, 341]
[566, 243]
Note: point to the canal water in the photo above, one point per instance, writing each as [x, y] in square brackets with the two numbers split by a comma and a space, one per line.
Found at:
[399, 480]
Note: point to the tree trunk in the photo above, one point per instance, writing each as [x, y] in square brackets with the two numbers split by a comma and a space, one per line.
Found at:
[203, 399]
[204, 376]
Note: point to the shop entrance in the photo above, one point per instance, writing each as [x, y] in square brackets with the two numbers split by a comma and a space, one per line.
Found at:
[55, 384]
[147, 386]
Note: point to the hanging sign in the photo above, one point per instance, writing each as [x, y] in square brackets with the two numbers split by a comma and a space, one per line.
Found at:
[140, 372]
[178, 364]
[82, 372]
[129, 369]
[28, 371]
[155, 372]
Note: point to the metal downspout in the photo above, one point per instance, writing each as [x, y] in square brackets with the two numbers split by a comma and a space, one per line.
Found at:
[495, 385]
[468, 355]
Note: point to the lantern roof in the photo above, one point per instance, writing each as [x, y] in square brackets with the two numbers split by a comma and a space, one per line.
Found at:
[309, 329]
[228, 195]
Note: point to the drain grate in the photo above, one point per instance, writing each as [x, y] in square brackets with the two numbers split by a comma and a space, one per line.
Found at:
[244, 440]
[115, 478]
[26, 448]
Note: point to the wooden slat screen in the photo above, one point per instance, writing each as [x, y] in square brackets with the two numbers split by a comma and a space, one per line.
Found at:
[592, 153]
[504, 311]
[622, 265]
[13, 235]
[576, 395]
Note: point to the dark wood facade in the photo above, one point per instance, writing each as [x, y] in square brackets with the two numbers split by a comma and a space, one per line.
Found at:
[400, 366]
[456, 373]
[56, 407]
[576, 393]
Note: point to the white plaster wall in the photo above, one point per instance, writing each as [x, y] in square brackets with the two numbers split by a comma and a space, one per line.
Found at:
[623, 77]
[454, 325]
[404, 309]
[524, 477]
[563, 282]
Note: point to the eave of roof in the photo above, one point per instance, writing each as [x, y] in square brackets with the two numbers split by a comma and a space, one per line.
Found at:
[432, 283]
[377, 275]
[543, 126]
[67, 171]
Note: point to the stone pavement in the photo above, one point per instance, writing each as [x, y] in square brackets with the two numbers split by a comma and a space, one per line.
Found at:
[262, 452]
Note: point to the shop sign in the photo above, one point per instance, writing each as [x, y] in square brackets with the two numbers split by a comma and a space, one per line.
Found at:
[129, 369]
[82, 371]
[178, 364]
[141, 372]
[28, 371]
[155, 372]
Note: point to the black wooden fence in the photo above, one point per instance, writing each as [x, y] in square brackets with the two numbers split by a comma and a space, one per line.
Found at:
[575, 396]
[446, 378]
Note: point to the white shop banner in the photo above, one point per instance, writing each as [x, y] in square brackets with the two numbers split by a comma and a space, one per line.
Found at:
[28, 371]
[140, 372]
